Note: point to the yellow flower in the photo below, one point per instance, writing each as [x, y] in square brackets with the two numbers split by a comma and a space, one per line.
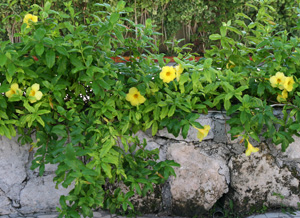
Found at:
[178, 71]
[31, 17]
[167, 74]
[34, 92]
[134, 97]
[14, 90]
[278, 80]
[251, 149]
[202, 133]
[288, 84]
[283, 96]
[230, 65]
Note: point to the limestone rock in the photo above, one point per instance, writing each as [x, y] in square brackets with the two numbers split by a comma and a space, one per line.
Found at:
[256, 178]
[200, 181]
[40, 195]
[192, 133]
[5, 205]
[293, 151]
[14, 158]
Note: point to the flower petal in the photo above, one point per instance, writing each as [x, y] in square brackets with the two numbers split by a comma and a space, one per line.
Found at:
[38, 95]
[35, 87]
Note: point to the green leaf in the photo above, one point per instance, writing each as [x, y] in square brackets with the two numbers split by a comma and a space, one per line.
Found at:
[47, 6]
[185, 130]
[39, 48]
[4, 88]
[255, 136]
[106, 147]
[223, 31]
[40, 120]
[28, 107]
[70, 152]
[207, 63]
[263, 43]
[3, 60]
[154, 128]
[119, 35]
[11, 69]
[149, 108]
[295, 126]
[215, 37]
[3, 115]
[184, 78]
[59, 130]
[260, 89]
[50, 58]
[164, 112]
[114, 17]
[243, 117]
[104, 84]
[107, 169]
[39, 33]
[227, 104]
[62, 50]
[172, 110]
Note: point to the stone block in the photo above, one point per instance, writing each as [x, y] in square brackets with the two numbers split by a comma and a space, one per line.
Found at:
[256, 178]
[13, 161]
[40, 195]
[199, 183]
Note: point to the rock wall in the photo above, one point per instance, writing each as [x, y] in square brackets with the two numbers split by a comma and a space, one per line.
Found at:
[214, 170]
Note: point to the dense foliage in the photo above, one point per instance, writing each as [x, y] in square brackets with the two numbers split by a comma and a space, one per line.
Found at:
[192, 20]
[63, 93]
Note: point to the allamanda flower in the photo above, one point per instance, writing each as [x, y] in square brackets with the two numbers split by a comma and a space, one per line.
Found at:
[283, 96]
[251, 149]
[167, 74]
[288, 83]
[230, 65]
[178, 71]
[14, 90]
[29, 17]
[278, 80]
[202, 133]
[34, 92]
[134, 97]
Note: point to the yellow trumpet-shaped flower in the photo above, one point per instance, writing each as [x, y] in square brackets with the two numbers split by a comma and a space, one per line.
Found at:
[288, 83]
[283, 96]
[134, 97]
[251, 149]
[178, 71]
[278, 80]
[29, 17]
[230, 65]
[167, 74]
[14, 90]
[34, 92]
[202, 133]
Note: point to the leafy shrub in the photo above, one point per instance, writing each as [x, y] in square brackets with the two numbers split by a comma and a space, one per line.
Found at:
[195, 19]
[61, 86]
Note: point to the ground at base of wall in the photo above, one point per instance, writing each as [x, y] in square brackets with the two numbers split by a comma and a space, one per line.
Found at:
[97, 214]
[103, 214]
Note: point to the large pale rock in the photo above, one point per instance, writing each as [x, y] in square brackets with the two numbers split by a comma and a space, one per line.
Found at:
[41, 195]
[13, 161]
[5, 205]
[200, 181]
[293, 151]
[192, 133]
[256, 178]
